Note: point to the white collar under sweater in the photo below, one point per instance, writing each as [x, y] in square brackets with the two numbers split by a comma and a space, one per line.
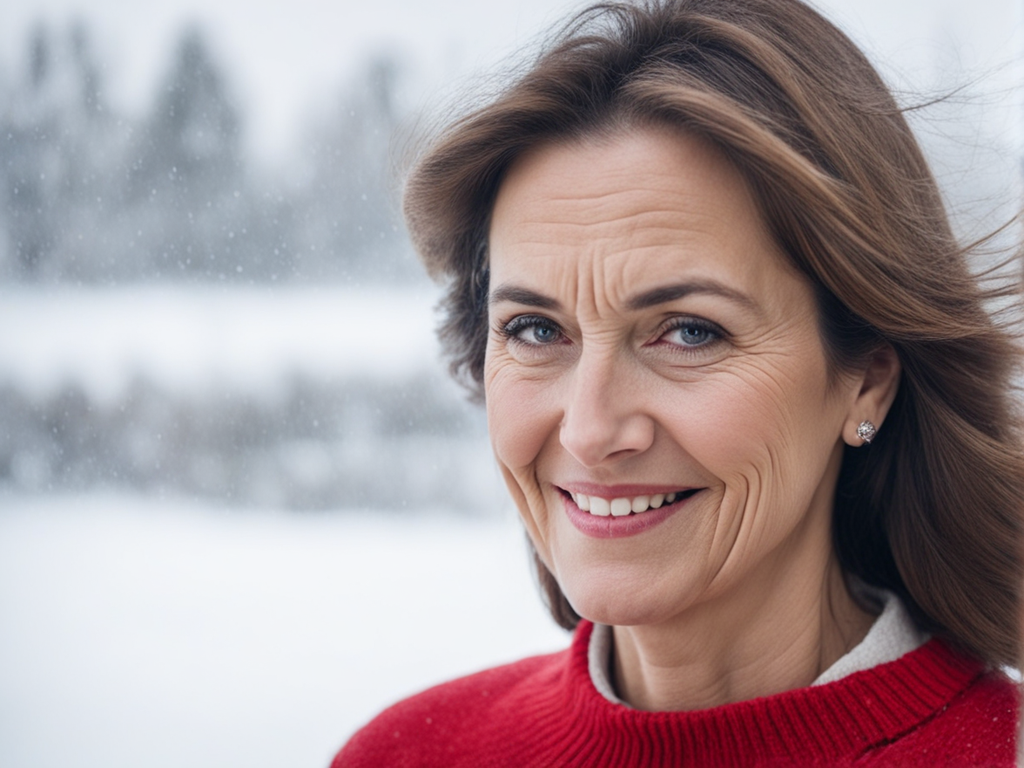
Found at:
[892, 635]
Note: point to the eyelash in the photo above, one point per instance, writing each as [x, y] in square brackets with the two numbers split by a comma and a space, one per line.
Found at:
[514, 327]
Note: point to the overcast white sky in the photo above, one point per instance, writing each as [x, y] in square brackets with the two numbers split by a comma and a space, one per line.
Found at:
[284, 56]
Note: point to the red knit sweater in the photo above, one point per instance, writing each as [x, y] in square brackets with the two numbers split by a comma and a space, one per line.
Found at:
[931, 707]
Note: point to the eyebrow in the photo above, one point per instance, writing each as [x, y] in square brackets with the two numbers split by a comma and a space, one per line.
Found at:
[667, 293]
[661, 295]
[519, 295]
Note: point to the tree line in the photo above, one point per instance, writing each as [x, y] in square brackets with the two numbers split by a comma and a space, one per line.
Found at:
[92, 195]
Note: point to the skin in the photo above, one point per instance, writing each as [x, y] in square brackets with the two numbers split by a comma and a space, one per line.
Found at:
[720, 386]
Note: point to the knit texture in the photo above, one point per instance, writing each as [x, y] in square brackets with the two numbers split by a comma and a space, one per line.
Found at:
[931, 707]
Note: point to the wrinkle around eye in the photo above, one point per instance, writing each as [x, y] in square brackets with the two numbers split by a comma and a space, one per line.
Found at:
[512, 339]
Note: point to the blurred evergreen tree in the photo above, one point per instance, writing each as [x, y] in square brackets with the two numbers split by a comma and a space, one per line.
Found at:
[186, 177]
[56, 158]
[26, 154]
[40, 57]
[351, 222]
[193, 133]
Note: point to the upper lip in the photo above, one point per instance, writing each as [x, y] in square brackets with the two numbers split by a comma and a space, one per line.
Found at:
[630, 490]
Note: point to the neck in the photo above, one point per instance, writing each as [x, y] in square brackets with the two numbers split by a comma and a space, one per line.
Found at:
[754, 641]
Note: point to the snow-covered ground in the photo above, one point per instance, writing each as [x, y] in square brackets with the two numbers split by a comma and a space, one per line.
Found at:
[136, 632]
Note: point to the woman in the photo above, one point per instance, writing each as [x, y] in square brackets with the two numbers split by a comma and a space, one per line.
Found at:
[747, 397]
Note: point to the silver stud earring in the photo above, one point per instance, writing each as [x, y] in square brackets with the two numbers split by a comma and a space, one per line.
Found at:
[866, 431]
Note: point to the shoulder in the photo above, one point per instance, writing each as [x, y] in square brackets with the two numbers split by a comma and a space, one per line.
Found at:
[456, 720]
[977, 727]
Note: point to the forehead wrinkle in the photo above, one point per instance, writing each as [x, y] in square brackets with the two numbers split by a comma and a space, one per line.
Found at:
[637, 238]
[669, 214]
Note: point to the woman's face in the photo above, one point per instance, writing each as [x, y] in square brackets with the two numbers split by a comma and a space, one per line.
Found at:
[657, 391]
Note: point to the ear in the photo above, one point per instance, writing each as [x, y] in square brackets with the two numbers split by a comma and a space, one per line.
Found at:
[878, 384]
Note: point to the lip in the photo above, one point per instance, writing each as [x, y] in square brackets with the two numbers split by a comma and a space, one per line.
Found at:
[611, 527]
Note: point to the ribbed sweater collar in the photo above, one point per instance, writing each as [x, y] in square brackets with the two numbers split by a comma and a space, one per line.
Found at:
[825, 723]
[892, 635]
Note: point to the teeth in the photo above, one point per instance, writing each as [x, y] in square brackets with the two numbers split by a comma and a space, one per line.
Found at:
[601, 507]
[621, 507]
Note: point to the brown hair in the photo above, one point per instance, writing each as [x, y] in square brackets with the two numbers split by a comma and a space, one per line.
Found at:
[932, 510]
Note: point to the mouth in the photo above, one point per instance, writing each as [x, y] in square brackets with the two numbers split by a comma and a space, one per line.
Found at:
[625, 506]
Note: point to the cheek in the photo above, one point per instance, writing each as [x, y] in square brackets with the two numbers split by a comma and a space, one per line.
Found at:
[520, 415]
[766, 432]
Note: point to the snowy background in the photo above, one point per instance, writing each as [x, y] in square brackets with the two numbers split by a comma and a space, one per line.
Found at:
[241, 506]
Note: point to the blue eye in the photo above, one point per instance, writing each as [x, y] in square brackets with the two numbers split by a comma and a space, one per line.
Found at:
[543, 334]
[532, 330]
[690, 333]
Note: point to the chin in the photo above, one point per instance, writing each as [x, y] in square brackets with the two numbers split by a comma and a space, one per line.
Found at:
[625, 602]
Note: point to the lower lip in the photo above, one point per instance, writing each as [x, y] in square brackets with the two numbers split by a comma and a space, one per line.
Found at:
[611, 527]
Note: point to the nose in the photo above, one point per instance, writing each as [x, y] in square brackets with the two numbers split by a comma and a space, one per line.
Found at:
[602, 417]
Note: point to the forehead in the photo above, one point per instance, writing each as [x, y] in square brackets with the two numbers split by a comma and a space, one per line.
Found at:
[629, 211]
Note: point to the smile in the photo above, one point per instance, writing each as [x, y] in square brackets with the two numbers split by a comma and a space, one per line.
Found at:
[624, 515]
[620, 507]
